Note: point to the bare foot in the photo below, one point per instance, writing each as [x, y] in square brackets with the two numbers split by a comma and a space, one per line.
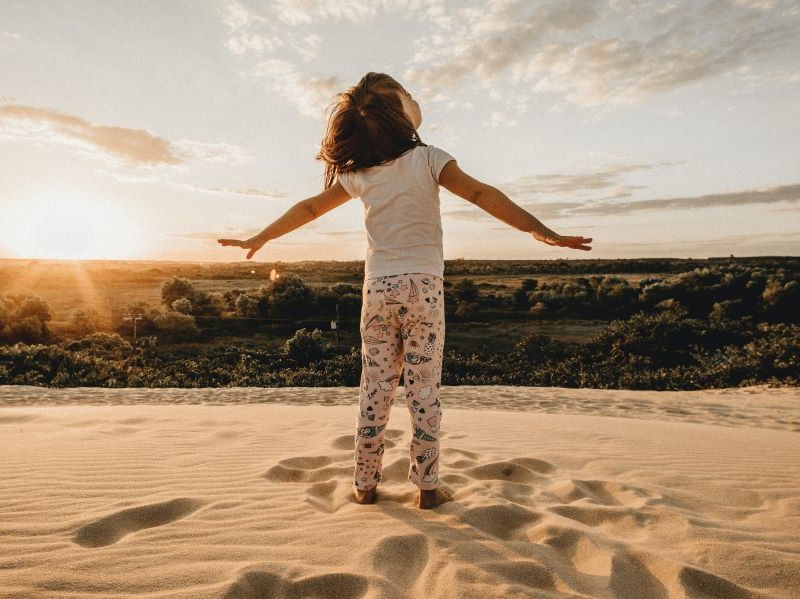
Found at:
[366, 497]
[431, 498]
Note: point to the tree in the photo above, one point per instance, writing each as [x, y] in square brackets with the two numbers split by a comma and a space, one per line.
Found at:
[304, 347]
[289, 297]
[176, 288]
[24, 318]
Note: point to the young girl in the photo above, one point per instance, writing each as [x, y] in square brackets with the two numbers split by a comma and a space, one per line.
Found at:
[372, 151]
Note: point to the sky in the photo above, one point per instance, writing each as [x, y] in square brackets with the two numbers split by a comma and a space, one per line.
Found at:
[147, 130]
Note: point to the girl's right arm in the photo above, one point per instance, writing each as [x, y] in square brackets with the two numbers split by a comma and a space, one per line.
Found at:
[303, 212]
[499, 205]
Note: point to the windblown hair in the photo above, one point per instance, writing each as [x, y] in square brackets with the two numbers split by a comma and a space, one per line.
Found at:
[366, 127]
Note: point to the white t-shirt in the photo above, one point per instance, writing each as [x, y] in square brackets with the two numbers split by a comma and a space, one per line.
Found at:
[401, 212]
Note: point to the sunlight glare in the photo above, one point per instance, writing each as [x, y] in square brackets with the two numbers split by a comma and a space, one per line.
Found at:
[71, 226]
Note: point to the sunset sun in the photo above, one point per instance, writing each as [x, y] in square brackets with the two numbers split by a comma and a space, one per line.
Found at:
[70, 226]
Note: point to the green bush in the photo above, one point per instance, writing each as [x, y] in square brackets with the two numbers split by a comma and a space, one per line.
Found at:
[304, 347]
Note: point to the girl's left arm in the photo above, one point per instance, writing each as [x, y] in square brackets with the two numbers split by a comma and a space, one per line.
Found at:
[302, 213]
[499, 205]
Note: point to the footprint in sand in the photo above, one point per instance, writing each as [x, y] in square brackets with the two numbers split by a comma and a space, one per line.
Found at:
[257, 583]
[329, 496]
[307, 469]
[114, 527]
[401, 559]
[631, 576]
[327, 492]
[701, 584]
[517, 471]
[504, 521]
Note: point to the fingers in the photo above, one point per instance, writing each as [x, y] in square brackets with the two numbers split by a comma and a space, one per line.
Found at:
[248, 245]
[574, 243]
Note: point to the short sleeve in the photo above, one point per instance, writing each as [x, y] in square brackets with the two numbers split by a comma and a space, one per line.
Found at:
[437, 158]
[348, 181]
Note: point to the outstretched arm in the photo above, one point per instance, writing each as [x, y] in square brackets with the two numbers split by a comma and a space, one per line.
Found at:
[301, 213]
[498, 204]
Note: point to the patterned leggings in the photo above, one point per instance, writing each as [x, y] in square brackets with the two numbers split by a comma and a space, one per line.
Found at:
[402, 327]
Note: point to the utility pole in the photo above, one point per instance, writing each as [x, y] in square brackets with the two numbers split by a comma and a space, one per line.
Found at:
[134, 318]
[335, 326]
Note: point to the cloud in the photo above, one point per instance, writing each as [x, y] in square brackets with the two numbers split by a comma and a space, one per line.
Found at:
[250, 192]
[295, 12]
[211, 152]
[136, 146]
[249, 31]
[495, 38]
[769, 195]
[311, 95]
[256, 35]
[576, 48]
[611, 206]
[618, 71]
[578, 183]
[543, 210]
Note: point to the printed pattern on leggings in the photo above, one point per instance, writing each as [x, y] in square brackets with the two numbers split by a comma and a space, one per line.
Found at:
[402, 331]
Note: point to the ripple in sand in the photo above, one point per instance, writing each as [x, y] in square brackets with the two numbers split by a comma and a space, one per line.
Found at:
[114, 527]
[17, 418]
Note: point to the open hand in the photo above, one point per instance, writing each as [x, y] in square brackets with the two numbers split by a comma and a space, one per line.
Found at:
[574, 242]
[252, 244]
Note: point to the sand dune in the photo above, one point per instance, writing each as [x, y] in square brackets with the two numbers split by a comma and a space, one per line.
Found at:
[555, 493]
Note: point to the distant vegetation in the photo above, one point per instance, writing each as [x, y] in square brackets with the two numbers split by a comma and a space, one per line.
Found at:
[657, 324]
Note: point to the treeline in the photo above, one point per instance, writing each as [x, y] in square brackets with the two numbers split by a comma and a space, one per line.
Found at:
[720, 326]
[730, 291]
[594, 266]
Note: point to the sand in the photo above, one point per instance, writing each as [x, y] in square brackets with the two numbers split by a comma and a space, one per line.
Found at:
[242, 493]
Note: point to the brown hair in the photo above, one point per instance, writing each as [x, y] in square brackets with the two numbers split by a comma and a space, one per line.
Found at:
[366, 127]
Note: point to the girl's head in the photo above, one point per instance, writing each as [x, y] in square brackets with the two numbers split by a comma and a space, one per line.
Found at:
[373, 122]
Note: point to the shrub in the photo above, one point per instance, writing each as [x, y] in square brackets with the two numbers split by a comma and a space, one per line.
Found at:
[304, 347]
[176, 327]
[102, 345]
